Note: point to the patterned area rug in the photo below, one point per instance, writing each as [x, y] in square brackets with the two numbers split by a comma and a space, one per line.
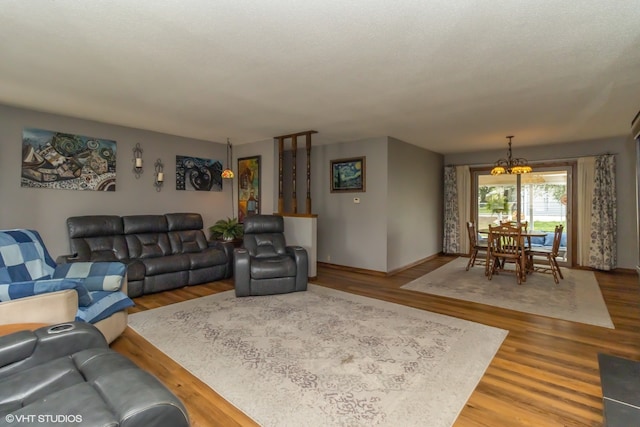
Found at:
[325, 357]
[576, 298]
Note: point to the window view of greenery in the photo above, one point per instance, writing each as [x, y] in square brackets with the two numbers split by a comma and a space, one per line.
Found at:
[543, 200]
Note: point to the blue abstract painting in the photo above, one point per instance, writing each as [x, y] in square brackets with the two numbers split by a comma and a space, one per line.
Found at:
[196, 174]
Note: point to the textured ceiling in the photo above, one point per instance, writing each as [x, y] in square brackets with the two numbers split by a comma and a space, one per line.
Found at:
[448, 75]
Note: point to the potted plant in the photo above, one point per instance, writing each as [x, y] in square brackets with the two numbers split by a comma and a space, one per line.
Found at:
[226, 229]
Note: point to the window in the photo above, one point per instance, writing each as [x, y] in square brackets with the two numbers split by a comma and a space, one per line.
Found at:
[542, 198]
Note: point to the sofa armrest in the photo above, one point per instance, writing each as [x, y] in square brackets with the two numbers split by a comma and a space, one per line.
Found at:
[53, 307]
[241, 272]
[95, 276]
[16, 347]
[227, 248]
[48, 343]
[300, 256]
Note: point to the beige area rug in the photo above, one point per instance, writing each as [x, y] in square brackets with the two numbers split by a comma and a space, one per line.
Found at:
[576, 298]
[325, 357]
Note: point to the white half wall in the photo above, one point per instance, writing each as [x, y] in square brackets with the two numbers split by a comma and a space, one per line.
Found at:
[303, 231]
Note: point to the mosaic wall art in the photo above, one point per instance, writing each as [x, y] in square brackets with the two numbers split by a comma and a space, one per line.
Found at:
[196, 174]
[65, 161]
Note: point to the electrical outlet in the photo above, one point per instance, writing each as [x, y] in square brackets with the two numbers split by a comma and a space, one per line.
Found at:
[328, 258]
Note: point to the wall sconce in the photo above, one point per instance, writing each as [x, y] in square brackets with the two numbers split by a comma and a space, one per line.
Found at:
[137, 160]
[159, 181]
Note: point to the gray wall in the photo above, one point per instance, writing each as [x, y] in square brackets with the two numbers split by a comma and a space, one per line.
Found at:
[398, 221]
[415, 200]
[352, 234]
[46, 210]
[622, 147]
[369, 235]
[399, 218]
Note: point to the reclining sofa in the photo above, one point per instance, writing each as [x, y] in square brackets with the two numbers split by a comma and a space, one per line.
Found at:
[161, 252]
[66, 374]
[265, 265]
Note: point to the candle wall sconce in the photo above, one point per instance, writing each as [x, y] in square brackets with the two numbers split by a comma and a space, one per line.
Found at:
[159, 181]
[137, 160]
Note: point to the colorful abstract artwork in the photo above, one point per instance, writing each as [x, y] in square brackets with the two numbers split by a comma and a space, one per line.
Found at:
[66, 161]
[196, 174]
[248, 187]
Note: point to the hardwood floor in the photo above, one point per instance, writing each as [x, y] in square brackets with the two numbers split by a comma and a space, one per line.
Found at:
[545, 373]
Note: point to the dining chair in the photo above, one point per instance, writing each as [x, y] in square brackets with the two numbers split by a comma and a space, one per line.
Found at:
[550, 256]
[475, 246]
[522, 224]
[506, 245]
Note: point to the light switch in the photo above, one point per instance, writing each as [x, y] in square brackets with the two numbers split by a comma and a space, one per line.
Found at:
[356, 200]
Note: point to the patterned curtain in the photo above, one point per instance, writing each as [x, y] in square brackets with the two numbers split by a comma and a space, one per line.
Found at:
[451, 242]
[603, 255]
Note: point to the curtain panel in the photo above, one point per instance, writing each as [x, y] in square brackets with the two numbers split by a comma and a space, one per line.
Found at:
[463, 185]
[451, 238]
[603, 252]
[586, 177]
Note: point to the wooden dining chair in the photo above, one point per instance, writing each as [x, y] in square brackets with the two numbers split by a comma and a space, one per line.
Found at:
[549, 255]
[523, 224]
[475, 246]
[506, 245]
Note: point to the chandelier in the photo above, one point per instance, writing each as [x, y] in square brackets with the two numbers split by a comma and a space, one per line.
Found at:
[511, 165]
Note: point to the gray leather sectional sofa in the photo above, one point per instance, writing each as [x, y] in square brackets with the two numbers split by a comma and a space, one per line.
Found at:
[162, 252]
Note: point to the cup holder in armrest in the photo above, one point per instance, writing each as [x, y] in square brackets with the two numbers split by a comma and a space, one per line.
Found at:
[63, 327]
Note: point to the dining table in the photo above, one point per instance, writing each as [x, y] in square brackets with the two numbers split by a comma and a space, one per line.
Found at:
[523, 261]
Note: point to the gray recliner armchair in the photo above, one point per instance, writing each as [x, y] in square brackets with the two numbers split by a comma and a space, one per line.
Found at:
[66, 374]
[265, 265]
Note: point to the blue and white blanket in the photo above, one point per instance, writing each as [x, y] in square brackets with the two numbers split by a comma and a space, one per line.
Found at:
[27, 269]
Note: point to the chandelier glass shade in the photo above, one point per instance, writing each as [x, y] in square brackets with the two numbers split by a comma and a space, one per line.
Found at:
[511, 165]
[228, 173]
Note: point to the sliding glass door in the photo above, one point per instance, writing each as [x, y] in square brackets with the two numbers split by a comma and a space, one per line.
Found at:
[542, 198]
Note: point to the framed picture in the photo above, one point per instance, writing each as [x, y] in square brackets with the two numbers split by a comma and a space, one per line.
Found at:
[196, 174]
[248, 187]
[67, 161]
[348, 175]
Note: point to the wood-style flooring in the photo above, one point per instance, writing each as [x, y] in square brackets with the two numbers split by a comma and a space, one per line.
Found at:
[545, 373]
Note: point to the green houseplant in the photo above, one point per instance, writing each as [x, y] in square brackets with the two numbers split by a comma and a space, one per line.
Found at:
[226, 229]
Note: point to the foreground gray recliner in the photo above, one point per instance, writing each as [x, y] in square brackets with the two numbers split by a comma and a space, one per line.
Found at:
[265, 265]
[66, 375]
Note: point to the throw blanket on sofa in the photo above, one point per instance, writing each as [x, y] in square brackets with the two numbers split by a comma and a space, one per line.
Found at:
[24, 257]
[27, 269]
